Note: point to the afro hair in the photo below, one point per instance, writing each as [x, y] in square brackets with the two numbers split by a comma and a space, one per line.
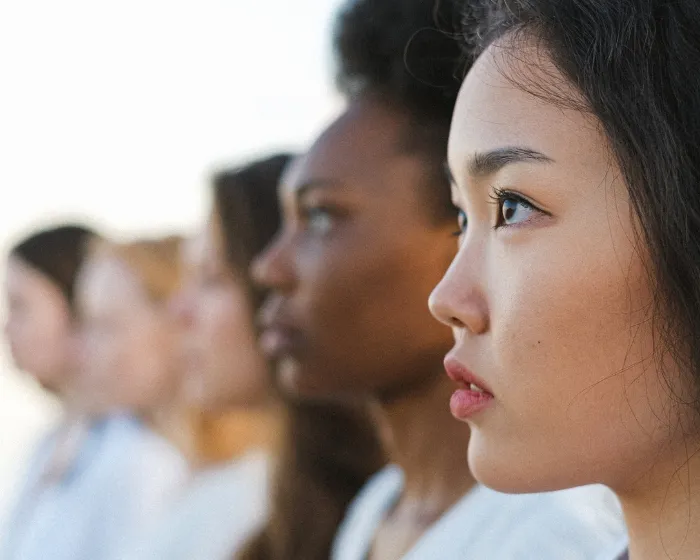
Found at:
[405, 50]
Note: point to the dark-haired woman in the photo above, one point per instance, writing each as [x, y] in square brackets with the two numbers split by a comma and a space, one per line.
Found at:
[92, 482]
[367, 232]
[40, 287]
[575, 295]
[231, 508]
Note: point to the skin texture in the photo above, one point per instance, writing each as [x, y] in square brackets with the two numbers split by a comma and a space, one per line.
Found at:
[351, 270]
[550, 307]
[345, 319]
[223, 365]
[39, 328]
[127, 343]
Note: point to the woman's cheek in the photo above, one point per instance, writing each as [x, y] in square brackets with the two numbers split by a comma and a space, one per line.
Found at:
[549, 307]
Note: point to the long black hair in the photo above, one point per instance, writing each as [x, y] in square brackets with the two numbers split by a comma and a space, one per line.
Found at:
[634, 66]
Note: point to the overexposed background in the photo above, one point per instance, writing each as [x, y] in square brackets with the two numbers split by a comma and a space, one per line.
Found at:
[115, 112]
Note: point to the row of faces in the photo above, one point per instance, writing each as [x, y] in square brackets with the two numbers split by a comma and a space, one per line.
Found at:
[545, 290]
[129, 350]
[350, 274]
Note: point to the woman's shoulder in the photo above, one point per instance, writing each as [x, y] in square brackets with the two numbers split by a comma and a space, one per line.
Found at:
[619, 551]
[366, 512]
[33, 465]
[40, 452]
[385, 484]
[137, 470]
[127, 441]
[214, 515]
[583, 522]
[240, 483]
[377, 495]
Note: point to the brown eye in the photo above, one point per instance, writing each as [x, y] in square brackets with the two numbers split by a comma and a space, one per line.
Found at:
[461, 223]
[513, 210]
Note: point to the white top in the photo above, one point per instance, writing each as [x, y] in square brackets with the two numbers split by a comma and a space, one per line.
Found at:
[219, 511]
[617, 552]
[575, 524]
[120, 480]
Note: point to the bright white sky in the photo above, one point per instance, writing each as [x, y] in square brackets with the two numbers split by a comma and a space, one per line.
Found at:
[115, 112]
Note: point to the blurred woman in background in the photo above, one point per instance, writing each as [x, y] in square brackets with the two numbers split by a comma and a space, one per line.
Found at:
[40, 288]
[40, 326]
[98, 478]
[128, 345]
[246, 433]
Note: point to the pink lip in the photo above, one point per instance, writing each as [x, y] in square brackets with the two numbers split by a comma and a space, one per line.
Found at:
[466, 402]
[280, 336]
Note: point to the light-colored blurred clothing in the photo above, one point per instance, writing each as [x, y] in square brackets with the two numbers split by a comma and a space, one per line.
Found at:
[576, 524]
[217, 514]
[617, 552]
[121, 478]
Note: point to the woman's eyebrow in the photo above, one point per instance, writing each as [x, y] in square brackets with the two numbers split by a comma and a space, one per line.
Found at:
[483, 164]
[315, 184]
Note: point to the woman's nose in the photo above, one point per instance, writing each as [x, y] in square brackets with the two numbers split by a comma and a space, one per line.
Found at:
[458, 300]
[273, 268]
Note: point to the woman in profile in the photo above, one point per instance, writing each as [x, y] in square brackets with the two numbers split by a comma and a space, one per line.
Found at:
[273, 476]
[91, 477]
[129, 363]
[575, 295]
[40, 291]
[367, 232]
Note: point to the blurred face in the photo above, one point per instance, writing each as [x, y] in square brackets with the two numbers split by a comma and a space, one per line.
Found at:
[39, 327]
[548, 296]
[354, 264]
[223, 364]
[126, 343]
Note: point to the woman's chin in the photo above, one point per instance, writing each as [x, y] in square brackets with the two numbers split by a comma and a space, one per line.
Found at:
[295, 380]
[307, 382]
[506, 469]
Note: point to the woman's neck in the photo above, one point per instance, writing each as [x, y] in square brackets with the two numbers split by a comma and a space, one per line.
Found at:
[224, 435]
[662, 510]
[171, 422]
[429, 445]
[210, 438]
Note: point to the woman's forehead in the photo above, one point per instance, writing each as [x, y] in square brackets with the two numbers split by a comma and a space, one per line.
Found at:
[504, 103]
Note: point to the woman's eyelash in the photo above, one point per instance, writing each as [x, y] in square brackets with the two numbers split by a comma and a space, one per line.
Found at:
[311, 211]
[311, 208]
[497, 196]
[513, 200]
[507, 203]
